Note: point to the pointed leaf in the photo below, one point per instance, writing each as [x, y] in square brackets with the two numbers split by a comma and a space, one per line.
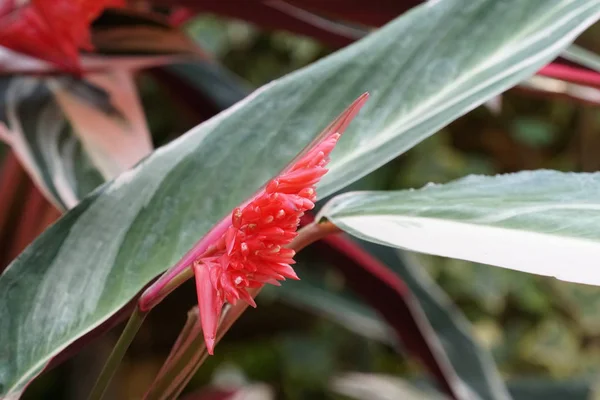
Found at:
[472, 364]
[383, 290]
[375, 386]
[106, 133]
[582, 56]
[362, 386]
[310, 294]
[542, 222]
[115, 142]
[44, 143]
[435, 90]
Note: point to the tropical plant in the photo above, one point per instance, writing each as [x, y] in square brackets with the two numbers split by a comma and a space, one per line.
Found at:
[103, 217]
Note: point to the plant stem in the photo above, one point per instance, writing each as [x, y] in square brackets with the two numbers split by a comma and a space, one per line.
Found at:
[114, 359]
[189, 353]
[311, 233]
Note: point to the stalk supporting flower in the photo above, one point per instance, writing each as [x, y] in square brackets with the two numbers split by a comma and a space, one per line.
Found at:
[252, 251]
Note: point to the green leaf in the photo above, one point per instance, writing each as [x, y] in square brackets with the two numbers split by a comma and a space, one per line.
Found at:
[542, 222]
[310, 294]
[72, 135]
[582, 56]
[376, 386]
[547, 389]
[424, 69]
[362, 386]
[467, 55]
[473, 364]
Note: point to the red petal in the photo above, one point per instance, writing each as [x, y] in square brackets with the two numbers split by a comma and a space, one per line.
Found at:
[244, 295]
[230, 239]
[209, 304]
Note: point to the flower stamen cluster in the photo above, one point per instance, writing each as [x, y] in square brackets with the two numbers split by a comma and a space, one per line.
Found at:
[252, 251]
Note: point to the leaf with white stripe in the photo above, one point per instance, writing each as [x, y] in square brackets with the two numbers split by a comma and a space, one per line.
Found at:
[541, 222]
[71, 140]
[114, 142]
[455, 56]
[43, 141]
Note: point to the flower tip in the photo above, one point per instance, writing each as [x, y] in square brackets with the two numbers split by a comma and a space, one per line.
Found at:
[210, 344]
[209, 305]
[340, 124]
[357, 104]
[244, 295]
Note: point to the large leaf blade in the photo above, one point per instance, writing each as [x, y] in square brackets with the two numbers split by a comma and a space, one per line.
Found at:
[542, 222]
[435, 91]
[93, 261]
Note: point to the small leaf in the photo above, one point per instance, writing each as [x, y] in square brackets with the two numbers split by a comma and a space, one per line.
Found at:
[309, 294]
[361, 386]
[114, 142]
[472, 363]
[583, 57]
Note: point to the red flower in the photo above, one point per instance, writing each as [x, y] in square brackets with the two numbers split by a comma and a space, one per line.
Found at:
[52, 30]
[247, 249]
[251, 252]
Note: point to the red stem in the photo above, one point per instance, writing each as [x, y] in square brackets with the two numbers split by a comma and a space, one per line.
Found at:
[571, 74]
